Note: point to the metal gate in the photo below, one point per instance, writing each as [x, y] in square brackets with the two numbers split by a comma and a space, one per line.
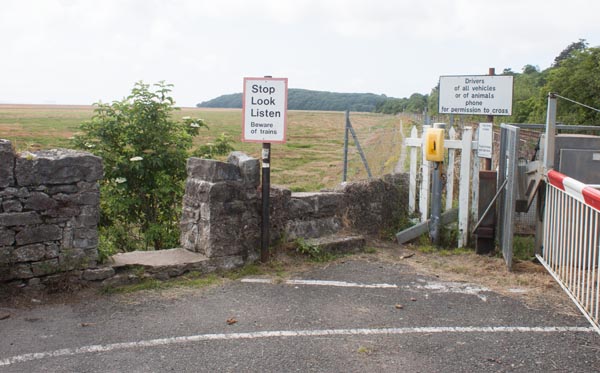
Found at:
[570, 241]
[507, 168]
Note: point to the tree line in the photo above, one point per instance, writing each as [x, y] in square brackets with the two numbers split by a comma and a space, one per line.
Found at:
[575, 74]
[304, 99]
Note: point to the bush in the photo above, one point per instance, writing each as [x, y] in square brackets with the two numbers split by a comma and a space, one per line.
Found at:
[144, 151]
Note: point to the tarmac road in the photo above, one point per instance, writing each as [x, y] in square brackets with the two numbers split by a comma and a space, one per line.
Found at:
[347, 316]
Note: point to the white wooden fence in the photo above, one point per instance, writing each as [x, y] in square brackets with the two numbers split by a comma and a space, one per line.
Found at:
[468, 176]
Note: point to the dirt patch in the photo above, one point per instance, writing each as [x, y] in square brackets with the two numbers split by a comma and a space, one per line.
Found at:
[527, 281]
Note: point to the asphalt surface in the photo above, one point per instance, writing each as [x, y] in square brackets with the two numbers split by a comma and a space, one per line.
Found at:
[397, 321]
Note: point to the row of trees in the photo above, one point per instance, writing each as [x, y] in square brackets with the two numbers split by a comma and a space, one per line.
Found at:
[575, 74]
[304, 99]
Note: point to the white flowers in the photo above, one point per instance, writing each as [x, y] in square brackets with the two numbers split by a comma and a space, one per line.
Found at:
[120, 180]
[136, 159]
[194, 125]
[186, 118]
[89, 145]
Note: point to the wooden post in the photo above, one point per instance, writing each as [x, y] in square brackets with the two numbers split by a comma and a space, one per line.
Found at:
[463, 193]
[412, 181]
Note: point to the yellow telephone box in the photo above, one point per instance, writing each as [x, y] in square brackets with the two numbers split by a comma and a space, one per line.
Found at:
[434, 144]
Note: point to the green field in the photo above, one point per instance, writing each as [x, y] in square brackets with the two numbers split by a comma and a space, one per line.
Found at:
[311, 159]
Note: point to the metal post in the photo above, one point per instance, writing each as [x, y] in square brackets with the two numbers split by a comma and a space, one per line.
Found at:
[550, 133]
[266, 186]
[549, 146]
[436, 199]
[487, 162]
[346, 125]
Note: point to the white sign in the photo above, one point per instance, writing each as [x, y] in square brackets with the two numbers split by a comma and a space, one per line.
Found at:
[476, 95]
[485, 140]
[264, 110]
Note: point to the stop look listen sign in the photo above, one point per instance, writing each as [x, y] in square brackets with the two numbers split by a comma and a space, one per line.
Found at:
[265, 110]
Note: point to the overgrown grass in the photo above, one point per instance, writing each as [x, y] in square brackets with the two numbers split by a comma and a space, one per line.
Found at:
[524, 247]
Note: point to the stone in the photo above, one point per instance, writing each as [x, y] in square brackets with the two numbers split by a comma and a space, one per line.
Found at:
[85, 238]
[249, 168]
[5, 255]
[29, 253]
[23, 192]
[68, 189]
[19, 218]
[7, 237]
[57, 166]
[63, 211]
[39, 201]
[212, 171]
[9, 192]
[45, 267]
[40, 233]
[72, 258]
[313, 228]
[12, 205]
[21, 271]
[98, 274]
[7, 164]
[317, 204]
[51, 251]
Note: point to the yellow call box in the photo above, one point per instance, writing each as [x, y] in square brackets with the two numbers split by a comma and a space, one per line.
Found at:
[434, 144]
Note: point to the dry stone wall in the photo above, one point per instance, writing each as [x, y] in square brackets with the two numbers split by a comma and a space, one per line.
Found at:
[221, 208]
[49, 211]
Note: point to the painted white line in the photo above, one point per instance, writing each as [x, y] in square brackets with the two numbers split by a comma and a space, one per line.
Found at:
[321, 283]
[286, 334]
[454, 287]
[435, 287]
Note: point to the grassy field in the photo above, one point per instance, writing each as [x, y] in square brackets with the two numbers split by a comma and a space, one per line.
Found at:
[311, 159]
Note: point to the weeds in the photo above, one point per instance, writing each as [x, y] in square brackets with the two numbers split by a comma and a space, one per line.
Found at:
[314, 252]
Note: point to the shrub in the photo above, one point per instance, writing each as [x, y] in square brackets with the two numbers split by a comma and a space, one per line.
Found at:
[144, 150]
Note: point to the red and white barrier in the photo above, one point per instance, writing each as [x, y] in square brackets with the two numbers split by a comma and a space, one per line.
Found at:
[576, 189]
[571, 243]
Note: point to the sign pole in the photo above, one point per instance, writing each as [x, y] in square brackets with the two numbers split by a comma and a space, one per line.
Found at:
[487, 162]
[264, 108]
[266, 187]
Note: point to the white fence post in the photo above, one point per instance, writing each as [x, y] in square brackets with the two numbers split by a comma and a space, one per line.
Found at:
[412, 182]
[475, 185]
[450, 171]
[463, 192]
[425, 169]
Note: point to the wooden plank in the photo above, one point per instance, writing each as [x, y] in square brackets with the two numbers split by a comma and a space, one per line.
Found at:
[450, 172]
[424, 193]
[413, 141]
[463, 193]
[415, 231]
[412, 183]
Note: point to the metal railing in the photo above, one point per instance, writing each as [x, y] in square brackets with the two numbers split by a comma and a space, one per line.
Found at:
[571, 243]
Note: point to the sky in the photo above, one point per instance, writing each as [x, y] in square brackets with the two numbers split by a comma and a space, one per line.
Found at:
[84, 51]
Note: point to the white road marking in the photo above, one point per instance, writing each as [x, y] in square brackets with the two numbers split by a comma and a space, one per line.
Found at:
[285, 334]
[435, 287]
[454, 287]
[321, 283]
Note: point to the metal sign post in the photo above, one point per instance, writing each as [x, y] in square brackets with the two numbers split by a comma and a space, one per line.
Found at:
[265, 121]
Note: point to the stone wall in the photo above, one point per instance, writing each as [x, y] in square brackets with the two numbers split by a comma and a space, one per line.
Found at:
[49, 211]
[221, 208]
